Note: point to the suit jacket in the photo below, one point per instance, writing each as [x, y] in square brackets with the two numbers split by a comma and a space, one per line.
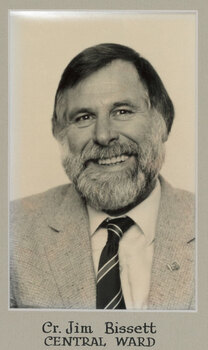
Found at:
[51, 261]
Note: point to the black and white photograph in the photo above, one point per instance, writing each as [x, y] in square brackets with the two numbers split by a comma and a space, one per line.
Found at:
[114, 228]
[103, 162]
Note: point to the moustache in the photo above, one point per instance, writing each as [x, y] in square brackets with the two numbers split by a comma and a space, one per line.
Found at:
[93, 152]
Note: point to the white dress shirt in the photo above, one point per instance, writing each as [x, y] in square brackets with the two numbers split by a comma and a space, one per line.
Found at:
[136, 248]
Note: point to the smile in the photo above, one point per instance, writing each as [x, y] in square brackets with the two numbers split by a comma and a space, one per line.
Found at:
[113, 160]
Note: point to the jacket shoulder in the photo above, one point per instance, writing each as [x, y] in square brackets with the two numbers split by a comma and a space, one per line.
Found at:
[178, 207]
[176, 197]
[25, 208]
[184, 198]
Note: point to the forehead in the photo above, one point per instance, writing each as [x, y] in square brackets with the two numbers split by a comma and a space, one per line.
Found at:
[117, 80]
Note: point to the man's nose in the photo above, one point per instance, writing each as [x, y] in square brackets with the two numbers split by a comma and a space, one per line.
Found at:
[104, 132]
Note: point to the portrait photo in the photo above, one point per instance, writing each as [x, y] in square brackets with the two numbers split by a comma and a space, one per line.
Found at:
[102, 160]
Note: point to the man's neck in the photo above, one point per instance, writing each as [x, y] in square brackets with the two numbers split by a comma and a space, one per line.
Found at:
[141, 198]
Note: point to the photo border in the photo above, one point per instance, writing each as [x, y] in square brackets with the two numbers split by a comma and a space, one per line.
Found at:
[175, 330]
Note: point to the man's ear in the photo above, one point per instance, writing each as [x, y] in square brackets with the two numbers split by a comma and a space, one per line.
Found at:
[165, 135]
[161, 125]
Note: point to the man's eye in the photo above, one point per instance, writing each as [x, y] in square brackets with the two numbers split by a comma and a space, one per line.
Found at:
[123, 114]
[84, 120]
[123, 111]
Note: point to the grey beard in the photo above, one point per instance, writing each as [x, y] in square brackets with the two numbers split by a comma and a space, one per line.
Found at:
[115, 190]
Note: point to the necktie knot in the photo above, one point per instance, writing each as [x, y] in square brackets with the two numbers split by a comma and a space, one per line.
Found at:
[117, 227]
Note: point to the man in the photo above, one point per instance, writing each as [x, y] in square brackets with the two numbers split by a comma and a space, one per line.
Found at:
[119, 236]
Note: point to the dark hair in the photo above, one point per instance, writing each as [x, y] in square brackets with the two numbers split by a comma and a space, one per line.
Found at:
[96, 57]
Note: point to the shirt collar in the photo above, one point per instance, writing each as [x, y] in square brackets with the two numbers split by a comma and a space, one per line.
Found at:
[144, 215]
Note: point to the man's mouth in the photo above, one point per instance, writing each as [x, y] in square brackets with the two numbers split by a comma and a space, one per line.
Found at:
[113, 160]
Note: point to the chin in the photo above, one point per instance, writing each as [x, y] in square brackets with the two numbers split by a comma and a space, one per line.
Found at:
[113, 192]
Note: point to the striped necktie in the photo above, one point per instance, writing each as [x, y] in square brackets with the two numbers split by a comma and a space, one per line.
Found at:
[109, 291]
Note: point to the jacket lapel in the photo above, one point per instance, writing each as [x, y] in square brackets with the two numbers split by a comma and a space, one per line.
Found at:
[69, 252]
[172, 270]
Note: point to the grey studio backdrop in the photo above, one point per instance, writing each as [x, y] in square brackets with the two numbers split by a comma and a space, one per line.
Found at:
[175, 330]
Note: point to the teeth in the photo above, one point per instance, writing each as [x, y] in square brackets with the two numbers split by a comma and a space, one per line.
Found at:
[113, 160]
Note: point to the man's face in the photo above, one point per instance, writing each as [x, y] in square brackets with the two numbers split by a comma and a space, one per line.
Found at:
[112, 146]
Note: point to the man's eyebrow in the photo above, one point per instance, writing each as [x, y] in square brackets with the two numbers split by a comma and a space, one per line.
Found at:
[126, 103]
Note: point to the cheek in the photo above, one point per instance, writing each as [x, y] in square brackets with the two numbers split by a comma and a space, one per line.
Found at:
[136, 130]
[77, 139]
